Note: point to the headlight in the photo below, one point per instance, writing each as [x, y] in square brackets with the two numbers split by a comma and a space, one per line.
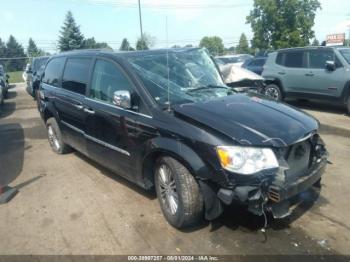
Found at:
[246, 160]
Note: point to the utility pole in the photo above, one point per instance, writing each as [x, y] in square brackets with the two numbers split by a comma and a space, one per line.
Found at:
[140, 20]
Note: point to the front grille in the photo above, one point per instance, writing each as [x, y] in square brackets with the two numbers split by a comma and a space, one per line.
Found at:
[299, 159]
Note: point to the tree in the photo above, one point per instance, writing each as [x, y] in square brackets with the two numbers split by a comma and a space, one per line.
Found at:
[282, 23]
[14, 50]
[145, 42]
[90, 43]
[33, 50]
[315, 42]
[2, 49]
[214, 44]
[125, 46]
[70, 36]
[243, 46]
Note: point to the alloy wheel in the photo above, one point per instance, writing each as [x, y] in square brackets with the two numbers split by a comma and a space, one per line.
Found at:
[167, 188]
[53, 138]
[272, 93]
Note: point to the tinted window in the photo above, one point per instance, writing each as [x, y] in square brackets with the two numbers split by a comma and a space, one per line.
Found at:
[76, 75]
[294, 59]
[53, 71]
[346, 54]
[258, 62]
[318, 58]
[280, 59]
[107, 78]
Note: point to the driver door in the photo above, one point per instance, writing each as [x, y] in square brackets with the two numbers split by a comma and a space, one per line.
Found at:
[110, 130]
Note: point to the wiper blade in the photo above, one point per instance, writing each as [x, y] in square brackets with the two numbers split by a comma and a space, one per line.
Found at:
[206, 87]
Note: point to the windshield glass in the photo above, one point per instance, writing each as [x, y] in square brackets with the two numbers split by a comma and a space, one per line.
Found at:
[190, 74]
[346, 54]
[38, 62]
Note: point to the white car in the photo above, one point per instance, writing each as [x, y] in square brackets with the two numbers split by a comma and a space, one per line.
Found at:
[237, 60]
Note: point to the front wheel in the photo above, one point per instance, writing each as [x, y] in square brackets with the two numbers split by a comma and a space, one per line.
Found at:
[178, 193]
[274, 92]
[348, 104]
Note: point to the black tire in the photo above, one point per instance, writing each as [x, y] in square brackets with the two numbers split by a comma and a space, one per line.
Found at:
[274, 92]
[348, 105]
[190, 206]
[55, 137]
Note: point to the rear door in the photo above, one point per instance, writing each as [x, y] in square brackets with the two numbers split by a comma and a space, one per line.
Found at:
[70, 98]
[294, 70]
[320, 80]
[110, 130]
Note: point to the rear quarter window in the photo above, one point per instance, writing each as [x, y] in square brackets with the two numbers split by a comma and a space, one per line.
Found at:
[53, 71]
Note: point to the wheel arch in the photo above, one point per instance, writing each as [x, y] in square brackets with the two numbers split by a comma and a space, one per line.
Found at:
[346, 92]
[276, 81]
[176, 149]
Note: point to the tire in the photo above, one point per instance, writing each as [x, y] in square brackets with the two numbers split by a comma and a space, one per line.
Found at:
[55, 137]
[181, 183]
[348, 105]
[274, 92]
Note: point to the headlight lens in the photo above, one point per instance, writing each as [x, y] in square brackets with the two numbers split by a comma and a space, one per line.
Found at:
[246, 160]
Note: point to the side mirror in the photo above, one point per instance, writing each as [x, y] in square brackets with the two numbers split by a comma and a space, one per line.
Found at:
[122, 99]
[7, 76]
[330, 65]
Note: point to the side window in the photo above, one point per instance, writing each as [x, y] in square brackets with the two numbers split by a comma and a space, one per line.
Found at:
[318, 58]
[294, 59]
[280, 59]
[53, 71]
[107, 78]
[76, 75]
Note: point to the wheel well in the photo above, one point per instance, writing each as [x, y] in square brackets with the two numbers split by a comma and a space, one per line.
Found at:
[346, 91]
[149, 165]
[47, 115]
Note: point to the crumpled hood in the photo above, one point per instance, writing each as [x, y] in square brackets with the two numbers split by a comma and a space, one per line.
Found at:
[251, 120]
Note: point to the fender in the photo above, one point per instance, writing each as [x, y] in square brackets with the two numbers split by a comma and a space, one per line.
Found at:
[272, 79]
[176, 149]
[197, 167]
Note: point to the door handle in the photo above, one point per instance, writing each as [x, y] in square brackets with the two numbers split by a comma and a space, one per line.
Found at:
[89, 111]
[309, 74]
[281, 73]
[79, 107]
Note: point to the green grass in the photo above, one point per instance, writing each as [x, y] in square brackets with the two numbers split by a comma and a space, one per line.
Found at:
[15, 77]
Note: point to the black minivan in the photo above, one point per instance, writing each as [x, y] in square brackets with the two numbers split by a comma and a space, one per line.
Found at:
[164, 119]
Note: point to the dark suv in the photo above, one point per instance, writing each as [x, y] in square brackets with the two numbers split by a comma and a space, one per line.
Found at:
[35, 71]
[309, 73]
[164, 119]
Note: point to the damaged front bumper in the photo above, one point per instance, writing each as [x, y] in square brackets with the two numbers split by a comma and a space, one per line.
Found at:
[272, 190]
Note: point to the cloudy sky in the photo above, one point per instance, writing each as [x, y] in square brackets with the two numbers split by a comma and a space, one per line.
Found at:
[112, 20]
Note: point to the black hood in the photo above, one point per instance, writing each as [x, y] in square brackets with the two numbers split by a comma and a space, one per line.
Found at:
[249, 119]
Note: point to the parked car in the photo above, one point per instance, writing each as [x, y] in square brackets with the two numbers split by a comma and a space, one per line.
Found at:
[1, 96]
[255, 65]
[4, 81]
[233, 59]
[34, 74]
[241, 80]
[309, 73]
[164, 119]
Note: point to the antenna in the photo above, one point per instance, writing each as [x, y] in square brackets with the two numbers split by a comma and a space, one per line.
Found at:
[167, 60]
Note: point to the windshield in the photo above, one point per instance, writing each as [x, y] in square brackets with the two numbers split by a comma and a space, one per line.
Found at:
[190, 74]
[346, 54]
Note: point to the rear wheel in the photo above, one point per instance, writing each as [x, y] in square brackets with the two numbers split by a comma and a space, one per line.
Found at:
[55, 137]
[178, 193]
[274, 92]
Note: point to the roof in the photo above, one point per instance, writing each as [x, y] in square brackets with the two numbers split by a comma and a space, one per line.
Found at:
[125, 53]
[312, 47]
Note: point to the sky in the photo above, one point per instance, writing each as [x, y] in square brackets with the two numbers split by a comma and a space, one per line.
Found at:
[112, 20]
